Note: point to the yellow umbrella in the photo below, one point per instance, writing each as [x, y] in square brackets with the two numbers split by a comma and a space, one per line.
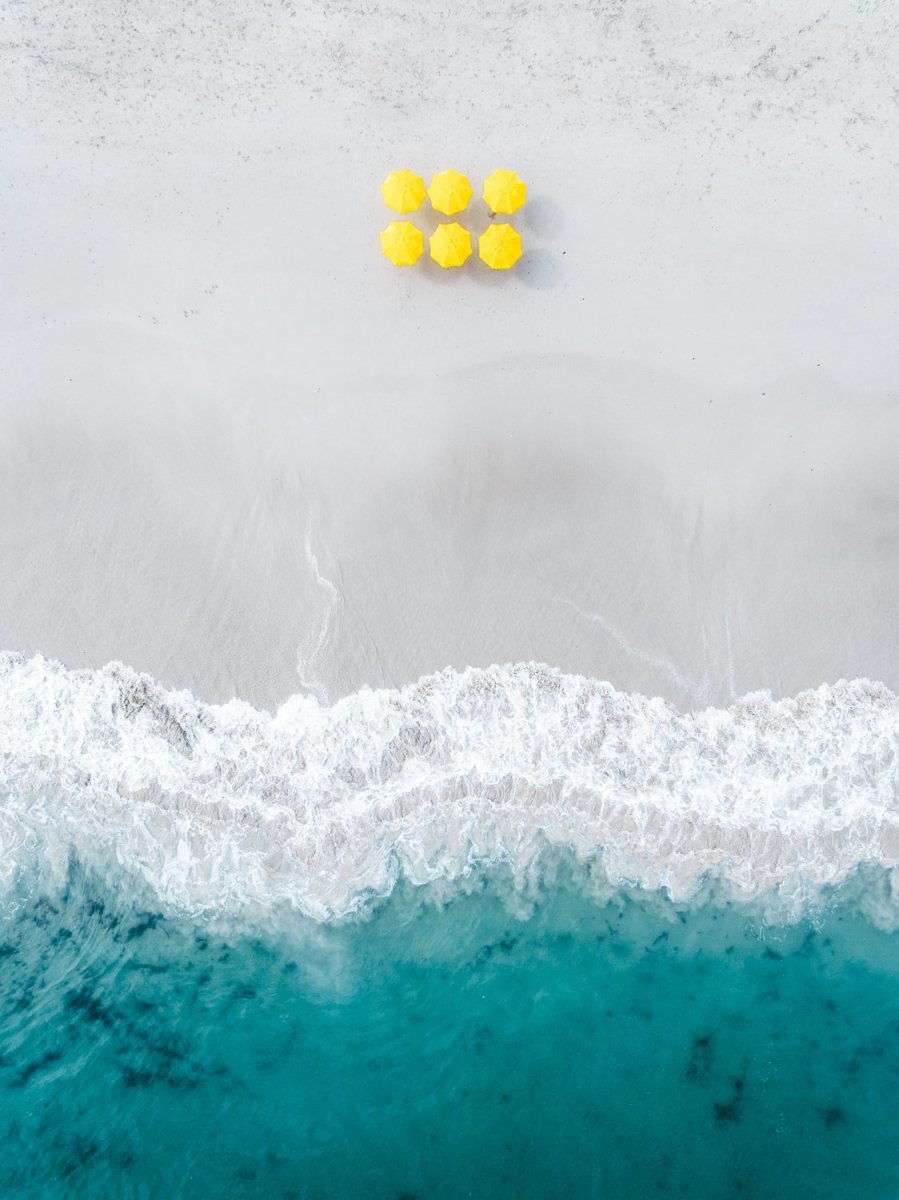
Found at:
[449, 192]
[403, 243]
[450, 245]
[500, 247]
[504, 191]
[403, 191]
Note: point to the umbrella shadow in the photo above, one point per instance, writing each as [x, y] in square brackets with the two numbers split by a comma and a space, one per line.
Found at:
[537, 268]
[480, 274]
[442, 275]
[540, 268]
[543, 216]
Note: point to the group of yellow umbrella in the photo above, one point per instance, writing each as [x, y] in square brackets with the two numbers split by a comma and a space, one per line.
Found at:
[449, 192]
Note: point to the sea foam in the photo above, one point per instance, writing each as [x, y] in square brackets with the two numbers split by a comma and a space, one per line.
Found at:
[320, 809]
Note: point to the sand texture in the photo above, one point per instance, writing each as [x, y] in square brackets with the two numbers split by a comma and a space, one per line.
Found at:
[241, 452]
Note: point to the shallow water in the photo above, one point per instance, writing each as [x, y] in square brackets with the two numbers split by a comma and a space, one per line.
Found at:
[449, 1047]
[503, 932]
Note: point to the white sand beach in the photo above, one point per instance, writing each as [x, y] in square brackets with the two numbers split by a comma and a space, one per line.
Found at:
[240, 451]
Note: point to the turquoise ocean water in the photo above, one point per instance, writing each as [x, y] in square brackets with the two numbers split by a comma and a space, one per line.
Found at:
[504, 933]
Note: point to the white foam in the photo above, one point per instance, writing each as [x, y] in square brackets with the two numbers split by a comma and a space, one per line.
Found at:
[219, 809]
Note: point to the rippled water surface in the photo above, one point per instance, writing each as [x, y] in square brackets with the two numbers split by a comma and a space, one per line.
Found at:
[503, 932]
[449, 1047]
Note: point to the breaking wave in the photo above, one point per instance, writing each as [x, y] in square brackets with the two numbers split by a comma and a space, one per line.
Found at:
[321, 809]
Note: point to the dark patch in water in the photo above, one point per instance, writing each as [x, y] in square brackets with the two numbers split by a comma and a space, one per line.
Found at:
[506, 944]
[833, 1116]
[83, 1001]
[808, 944]
[32, 1069]
[43, 913]
[701, 1055]
[772, 954]
[110, 920]
[150, 921]
[728, 1112]
[168, 1049]
[138, 1079]
[81, 1152]
[6, 950]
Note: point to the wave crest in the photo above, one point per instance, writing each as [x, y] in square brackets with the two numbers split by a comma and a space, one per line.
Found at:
[219, 808]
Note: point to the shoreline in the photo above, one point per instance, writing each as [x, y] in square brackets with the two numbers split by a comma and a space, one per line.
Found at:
[687, 545]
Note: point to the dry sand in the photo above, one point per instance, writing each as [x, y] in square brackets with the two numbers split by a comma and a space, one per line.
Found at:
[241, 452]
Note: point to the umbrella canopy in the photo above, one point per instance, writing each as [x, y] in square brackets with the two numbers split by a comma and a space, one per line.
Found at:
[403, 243]
[449, 192]
[450, 245]
[500, 247]
[504, 191]
[403, 191]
